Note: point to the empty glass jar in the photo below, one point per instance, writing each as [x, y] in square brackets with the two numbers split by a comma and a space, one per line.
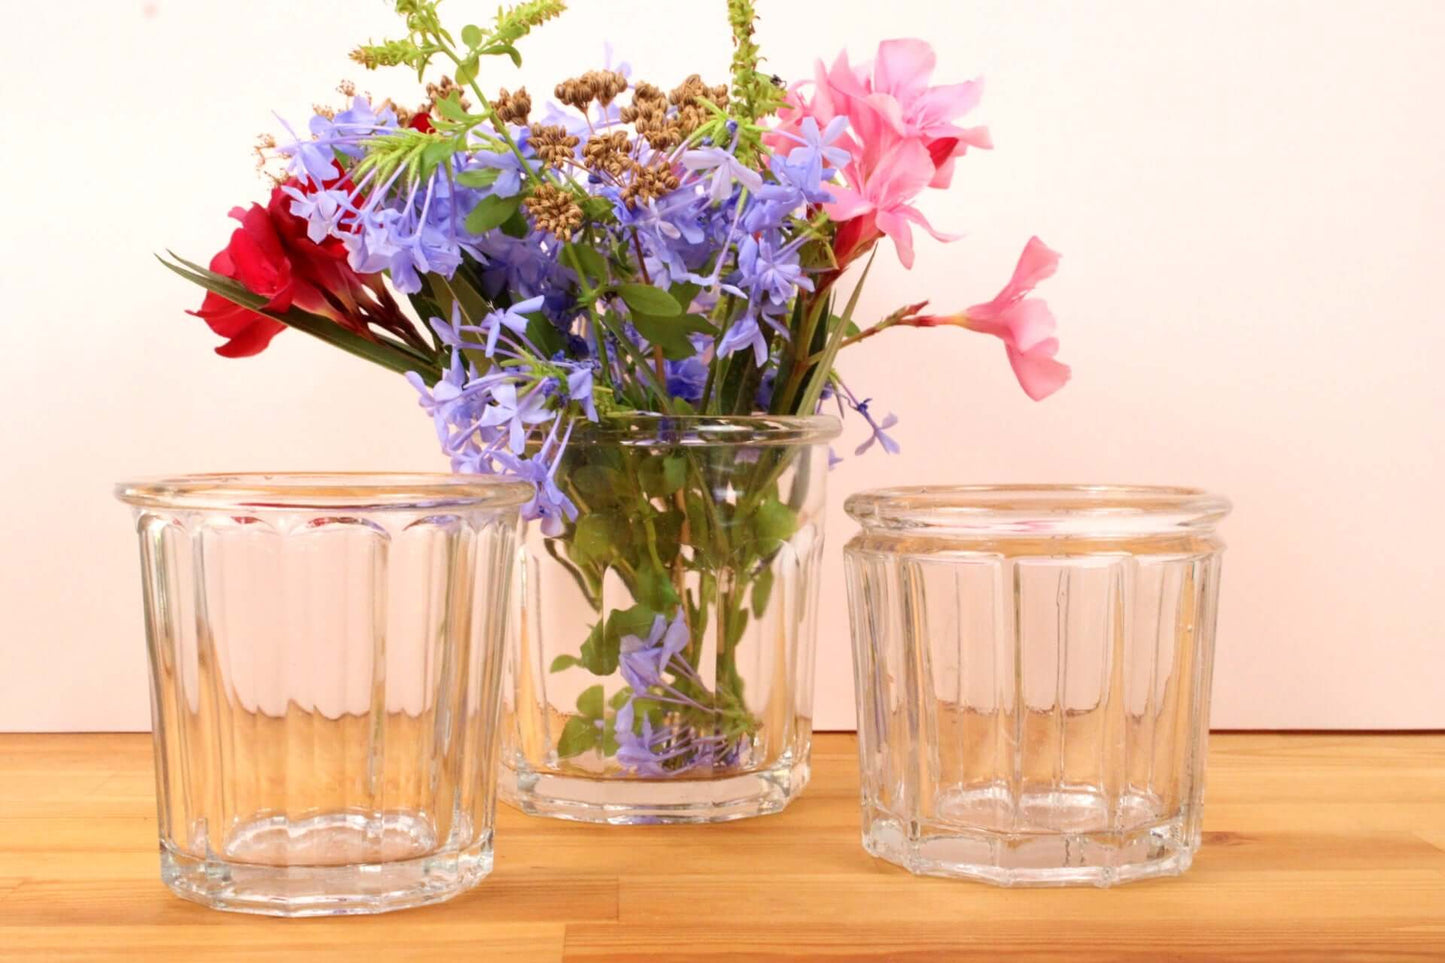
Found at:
[1032, 668]
[326, 653]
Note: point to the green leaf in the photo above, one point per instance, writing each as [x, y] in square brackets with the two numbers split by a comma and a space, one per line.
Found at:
[609, 744]
[472, 35]
[646, 299]
[594, 265]
[634, 621]
[654, 589]
[662, 475]
[591, 701]
[564, 662]
[594, 538]
[599, 485]
[516, 225]
[545, 336]
[492, 212]
[599, 653]
[774, 522]
[670, 334]
[436, 154]
[578, 735]
[507, 49]
[762, 591]
[467, 72]
[477, 177]
[598, 209]
[684, 291]
[620, 697]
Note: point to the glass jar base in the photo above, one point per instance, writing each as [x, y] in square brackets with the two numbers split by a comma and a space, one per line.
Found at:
[648, 801]
[1058, 857]
[339, 889]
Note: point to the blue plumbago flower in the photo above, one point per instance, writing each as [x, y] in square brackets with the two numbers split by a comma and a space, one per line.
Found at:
[516, 414]
[766, 269]
[879, 435]
[442, 400]
[686, 378]
[744, 333]
[322, 210]
[548, 503]
[726, 169]
[815, 146]
[523, 267]
[805, 183]
[579, 389]
[512, 318]
[766, 386]
[643, 661]
[313, 160]
[510, 172]
[834, 459]
[670, 231]
[419, 233]
[647, 753]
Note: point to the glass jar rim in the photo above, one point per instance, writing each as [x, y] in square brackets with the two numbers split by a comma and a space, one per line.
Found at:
[708, 430]
[353, 491]
[1040, 510]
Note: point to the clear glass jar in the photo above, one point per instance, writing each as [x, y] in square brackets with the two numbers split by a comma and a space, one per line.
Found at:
[663, 665]
[1032, 668]
[326, 655]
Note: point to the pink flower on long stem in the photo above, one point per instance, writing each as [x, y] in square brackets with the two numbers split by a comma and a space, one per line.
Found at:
[1025, 325]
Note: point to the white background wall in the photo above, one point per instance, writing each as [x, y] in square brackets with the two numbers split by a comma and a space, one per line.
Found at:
[1249, 196]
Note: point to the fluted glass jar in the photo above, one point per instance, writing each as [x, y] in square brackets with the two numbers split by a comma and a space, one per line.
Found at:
[326, 655]
[1033, 671]
[662, 668]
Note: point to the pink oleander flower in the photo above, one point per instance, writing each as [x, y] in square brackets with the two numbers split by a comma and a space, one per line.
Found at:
[1025, 325]
[902, 138]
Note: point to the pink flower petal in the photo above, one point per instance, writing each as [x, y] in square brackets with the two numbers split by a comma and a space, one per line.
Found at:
[1039, 374]
[846, 204]
[903, 67]
[946, 103]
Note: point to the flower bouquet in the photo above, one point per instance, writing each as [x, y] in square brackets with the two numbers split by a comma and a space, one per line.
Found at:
[633, 298]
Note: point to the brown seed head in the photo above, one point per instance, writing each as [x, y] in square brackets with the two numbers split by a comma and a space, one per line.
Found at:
[608, 153]
[513, 108]
[648, 184]
[553, 144]
[555, 211]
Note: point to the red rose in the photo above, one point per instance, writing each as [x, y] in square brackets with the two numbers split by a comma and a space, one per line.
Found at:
[271, 255]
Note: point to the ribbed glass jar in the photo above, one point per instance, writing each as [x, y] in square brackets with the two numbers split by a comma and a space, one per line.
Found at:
[663, 665]
[1033, 671]
[326, 653]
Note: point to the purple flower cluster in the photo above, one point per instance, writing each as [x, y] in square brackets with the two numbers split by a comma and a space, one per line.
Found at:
[677, 745]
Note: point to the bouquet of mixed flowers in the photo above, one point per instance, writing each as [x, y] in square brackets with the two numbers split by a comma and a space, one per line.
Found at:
[534, 268]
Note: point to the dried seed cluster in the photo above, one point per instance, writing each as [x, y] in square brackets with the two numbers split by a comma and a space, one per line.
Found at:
[555, 211]
[553, 144]
[601, 86]
[608, 153]
[648, 184]
[513, 108]
[665, 128]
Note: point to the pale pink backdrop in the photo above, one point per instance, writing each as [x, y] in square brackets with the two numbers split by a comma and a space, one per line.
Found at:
[1249, 196]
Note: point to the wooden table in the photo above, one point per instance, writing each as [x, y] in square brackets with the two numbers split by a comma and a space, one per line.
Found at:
[1316, 845]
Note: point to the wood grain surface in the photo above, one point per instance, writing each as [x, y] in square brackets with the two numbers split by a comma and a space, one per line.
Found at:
[1317, 846]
